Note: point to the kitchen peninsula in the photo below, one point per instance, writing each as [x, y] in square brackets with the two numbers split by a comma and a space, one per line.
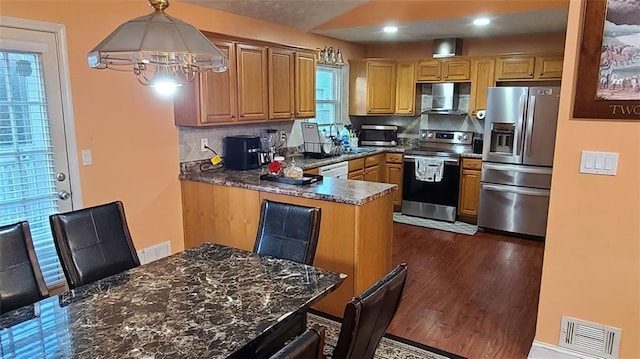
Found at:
[356, 230]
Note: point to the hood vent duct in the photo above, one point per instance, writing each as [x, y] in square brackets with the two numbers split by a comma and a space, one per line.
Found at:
[447, 47]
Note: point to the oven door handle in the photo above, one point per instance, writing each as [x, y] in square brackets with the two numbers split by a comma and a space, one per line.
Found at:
[448, 161]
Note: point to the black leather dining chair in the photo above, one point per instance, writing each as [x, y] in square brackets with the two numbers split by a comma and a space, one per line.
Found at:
[288, 231]
[308, 345]
[367, 316]
[93, 243]
[21, 281]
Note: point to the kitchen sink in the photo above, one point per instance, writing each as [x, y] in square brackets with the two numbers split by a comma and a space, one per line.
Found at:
[359, 150]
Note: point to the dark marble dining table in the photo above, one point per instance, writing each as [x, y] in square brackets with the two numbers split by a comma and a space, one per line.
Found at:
[205, 302]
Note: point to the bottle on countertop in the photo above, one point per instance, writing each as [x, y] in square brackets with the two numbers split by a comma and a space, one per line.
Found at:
[345, 137]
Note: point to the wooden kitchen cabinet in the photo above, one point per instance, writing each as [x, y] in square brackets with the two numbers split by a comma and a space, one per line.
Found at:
[305, 84]
[236, 95]
[435, 70]
[456, 70]
[372, 87]
[515, 67]
[470, 187]
[292, 84]
[372, 174]
[263, 81]
[252, 82]
[482, 77]
[393, 175]
[429, 70]
[281, 84]
[405, 88]
[549, 67]
[528, 67]
[212, 97]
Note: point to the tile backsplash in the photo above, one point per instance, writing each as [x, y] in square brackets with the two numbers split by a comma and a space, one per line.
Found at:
[189, 137]
[409, 125]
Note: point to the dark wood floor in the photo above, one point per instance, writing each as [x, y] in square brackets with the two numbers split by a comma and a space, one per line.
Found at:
[475, 296]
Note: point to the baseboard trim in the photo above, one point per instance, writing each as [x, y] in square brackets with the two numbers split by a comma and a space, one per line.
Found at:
[563, 353]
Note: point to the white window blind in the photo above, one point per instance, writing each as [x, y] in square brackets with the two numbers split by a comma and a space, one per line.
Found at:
[44, 337]
[328, 82]
[27, 189]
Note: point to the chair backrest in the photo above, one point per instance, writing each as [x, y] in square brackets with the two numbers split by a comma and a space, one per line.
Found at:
[21, 281]
[93, 243]
[288, 231]
[367, 316]
[307, 345]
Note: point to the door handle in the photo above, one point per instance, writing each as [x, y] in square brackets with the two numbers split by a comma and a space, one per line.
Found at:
[63, 195]
[516, 190]
[529, 128]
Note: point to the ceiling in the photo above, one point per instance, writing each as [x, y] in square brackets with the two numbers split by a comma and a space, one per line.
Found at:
[361, 21]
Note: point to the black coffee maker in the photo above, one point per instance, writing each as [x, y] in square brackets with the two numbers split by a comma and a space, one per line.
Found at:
[242, 152]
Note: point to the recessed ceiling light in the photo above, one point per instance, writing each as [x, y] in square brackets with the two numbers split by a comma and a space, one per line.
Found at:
[481, 21]
[390, 29]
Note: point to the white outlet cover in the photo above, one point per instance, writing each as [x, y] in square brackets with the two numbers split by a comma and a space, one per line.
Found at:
[203, 142]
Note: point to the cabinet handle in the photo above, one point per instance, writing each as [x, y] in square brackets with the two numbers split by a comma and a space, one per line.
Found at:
[369, 110]
[233, 116]
[242, 115]
[542, 73]
[530, 73]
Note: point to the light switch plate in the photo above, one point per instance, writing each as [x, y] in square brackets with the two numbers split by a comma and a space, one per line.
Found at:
[86, 157]
[599, 163]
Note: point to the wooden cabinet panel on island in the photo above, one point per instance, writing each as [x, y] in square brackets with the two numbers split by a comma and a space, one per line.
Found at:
[470, 187]
[482, 77]
[372, 87]
[356, 240]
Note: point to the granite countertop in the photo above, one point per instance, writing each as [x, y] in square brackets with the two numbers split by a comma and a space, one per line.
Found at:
[205, 302]
[329, 189]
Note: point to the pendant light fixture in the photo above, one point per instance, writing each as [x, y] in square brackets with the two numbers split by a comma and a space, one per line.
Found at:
[162, 51]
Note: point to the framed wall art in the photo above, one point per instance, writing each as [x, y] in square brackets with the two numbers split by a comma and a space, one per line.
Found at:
[608, 78]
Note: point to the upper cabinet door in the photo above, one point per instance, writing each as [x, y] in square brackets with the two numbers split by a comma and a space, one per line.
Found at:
[281, 84]
[482, 77]
[305, 85]
[455, 70]
[405, 88]
[429, 70]
[549, 67]
[515, 67]
[252, 82]
[212, 97]
[381, 87]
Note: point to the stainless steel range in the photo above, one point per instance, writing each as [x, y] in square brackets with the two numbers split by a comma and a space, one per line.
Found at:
[431, 178]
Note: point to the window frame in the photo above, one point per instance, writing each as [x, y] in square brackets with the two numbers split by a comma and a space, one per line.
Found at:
[337, 90]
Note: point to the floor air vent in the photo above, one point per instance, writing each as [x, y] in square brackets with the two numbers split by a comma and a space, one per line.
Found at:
[590, 338]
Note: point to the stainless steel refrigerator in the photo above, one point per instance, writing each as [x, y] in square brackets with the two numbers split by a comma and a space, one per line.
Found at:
[519, 139]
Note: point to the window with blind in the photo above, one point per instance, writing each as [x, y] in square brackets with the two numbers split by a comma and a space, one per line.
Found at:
[27, 187]
[328, 110]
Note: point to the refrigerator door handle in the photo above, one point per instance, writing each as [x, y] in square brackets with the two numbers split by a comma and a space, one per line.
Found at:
[518, 190]
[521, 169]
[529, 129]
[520, 126]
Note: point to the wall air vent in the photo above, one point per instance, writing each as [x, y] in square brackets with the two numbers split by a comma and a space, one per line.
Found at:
[590, 338]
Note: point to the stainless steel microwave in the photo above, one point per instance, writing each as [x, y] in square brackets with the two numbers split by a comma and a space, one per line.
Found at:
[378, 135]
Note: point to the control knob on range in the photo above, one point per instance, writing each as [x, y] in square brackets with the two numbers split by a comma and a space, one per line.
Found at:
[465, 137]
[430, 135]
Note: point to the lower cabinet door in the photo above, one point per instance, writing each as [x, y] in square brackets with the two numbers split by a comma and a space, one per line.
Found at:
[469, 193]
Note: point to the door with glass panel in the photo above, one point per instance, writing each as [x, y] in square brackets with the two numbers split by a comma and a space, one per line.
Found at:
[34, 170]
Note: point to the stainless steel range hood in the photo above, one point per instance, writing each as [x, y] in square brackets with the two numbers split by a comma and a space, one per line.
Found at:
[445, 99]
[445, 95]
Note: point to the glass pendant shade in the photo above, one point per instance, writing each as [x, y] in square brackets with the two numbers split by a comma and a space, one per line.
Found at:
[158, 47]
